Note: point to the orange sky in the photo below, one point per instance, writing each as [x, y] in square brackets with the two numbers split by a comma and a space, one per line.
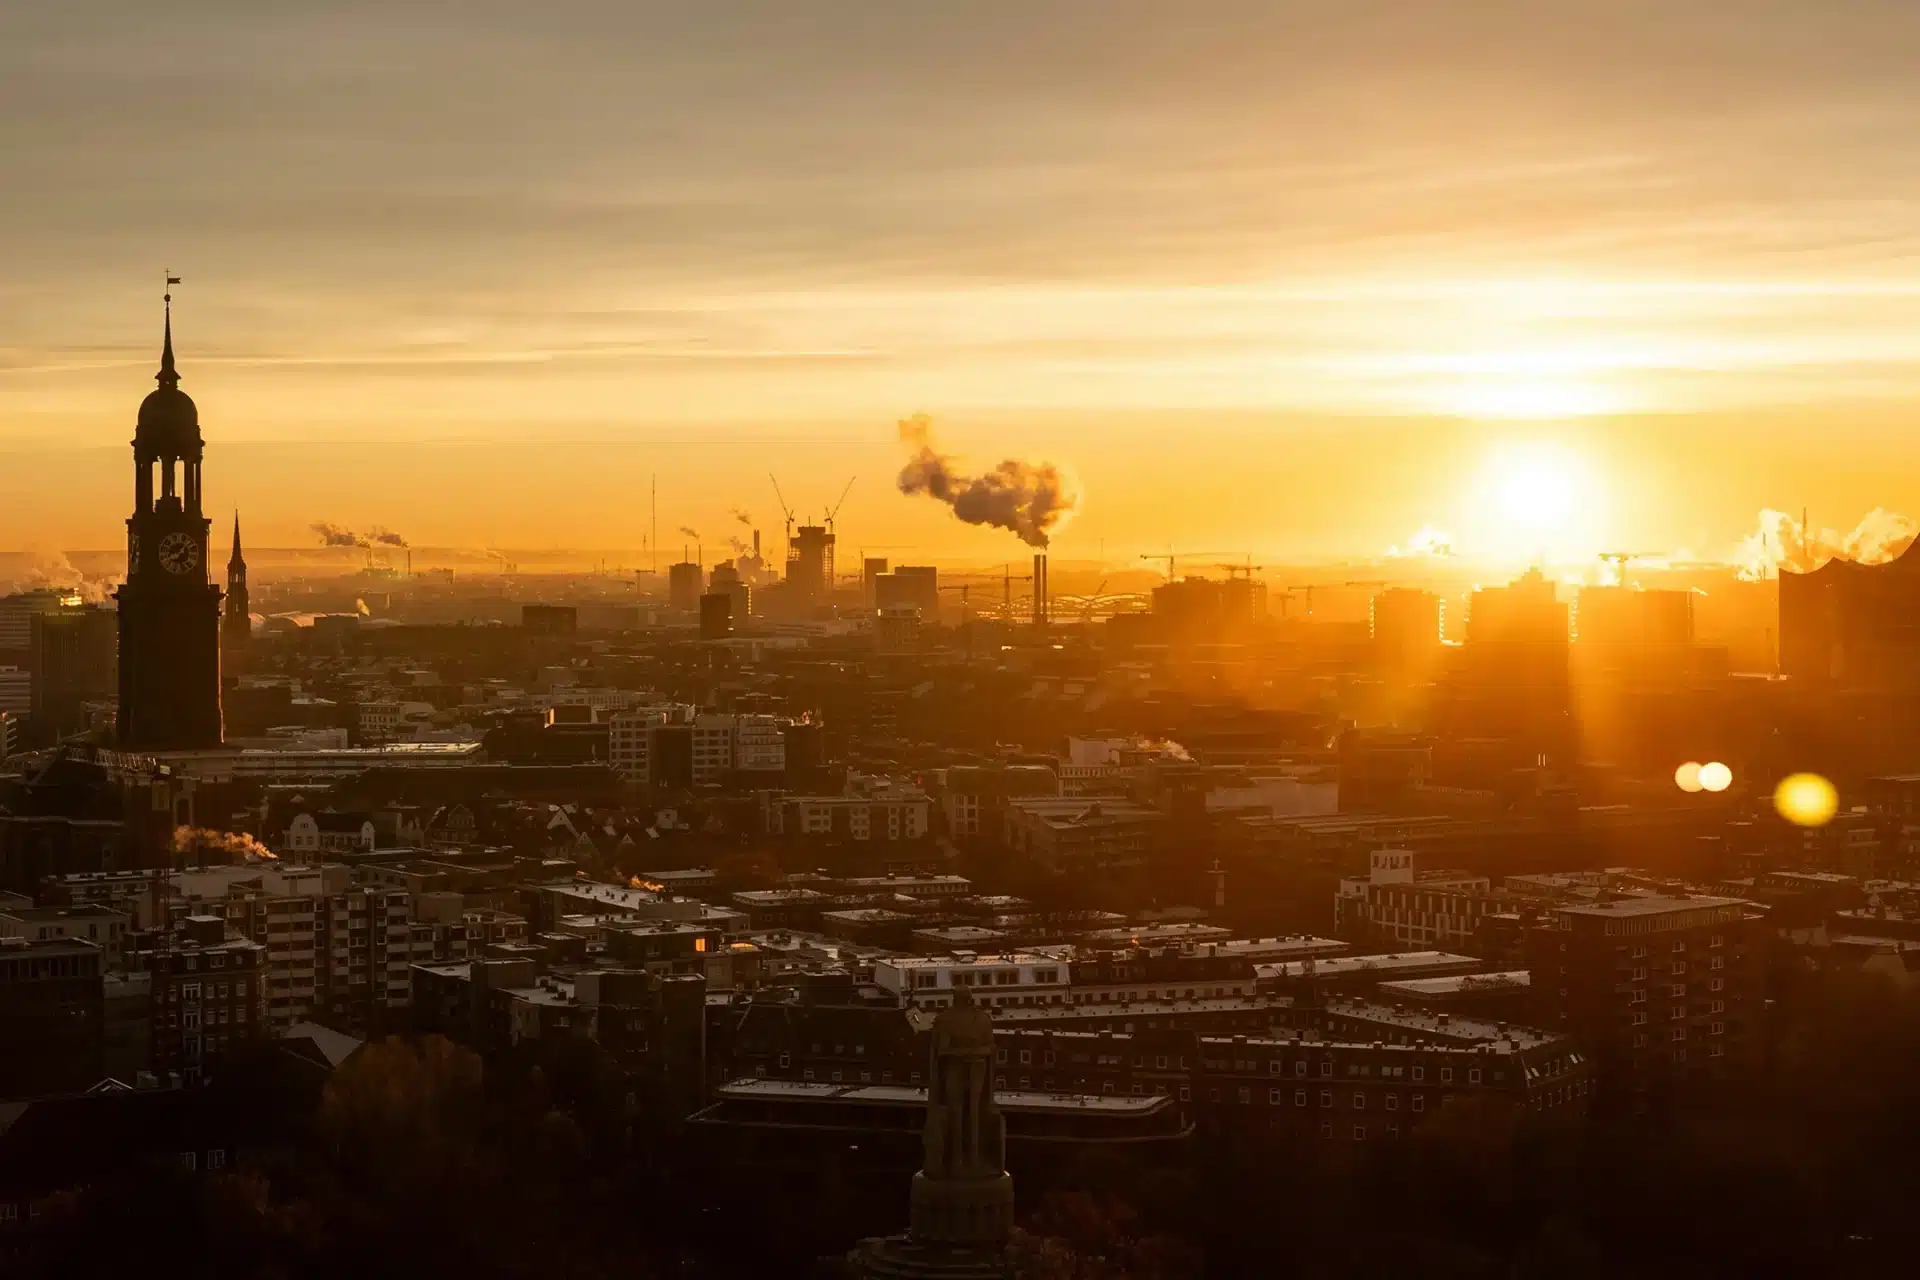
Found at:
[1288, 278]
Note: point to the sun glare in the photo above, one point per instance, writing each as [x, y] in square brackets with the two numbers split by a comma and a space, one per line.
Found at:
[1537, 499]
[1534, 488]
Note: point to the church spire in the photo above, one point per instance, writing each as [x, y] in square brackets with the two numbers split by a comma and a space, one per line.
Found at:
[168, 377]
[237, 559]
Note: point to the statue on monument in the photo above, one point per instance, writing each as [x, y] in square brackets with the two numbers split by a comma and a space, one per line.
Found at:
[962, 1198]
[965, 1136]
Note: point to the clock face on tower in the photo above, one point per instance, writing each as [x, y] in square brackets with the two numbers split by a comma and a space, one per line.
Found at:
[179, 553]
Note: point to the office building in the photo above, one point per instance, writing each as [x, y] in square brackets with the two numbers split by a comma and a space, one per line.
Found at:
[685, 582]
[74, 662]
[716, 616]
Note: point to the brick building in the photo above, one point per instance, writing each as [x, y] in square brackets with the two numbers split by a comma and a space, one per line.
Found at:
[1663, 992]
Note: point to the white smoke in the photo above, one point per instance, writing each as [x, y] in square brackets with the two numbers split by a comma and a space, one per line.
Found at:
[1780, 542]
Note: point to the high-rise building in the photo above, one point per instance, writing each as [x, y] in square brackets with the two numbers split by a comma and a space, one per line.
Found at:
[74, 653]
[684, 584]
[810, 564]
[726, 580]
[870, 568]
[911, 585]
[169, 611]
[236, 624]
[716, 616]
[1406, 626]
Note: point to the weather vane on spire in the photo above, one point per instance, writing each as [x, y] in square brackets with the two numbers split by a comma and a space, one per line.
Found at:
[168, 376]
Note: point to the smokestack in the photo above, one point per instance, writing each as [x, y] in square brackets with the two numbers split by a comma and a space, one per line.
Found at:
[756, 544]
[1039, 589]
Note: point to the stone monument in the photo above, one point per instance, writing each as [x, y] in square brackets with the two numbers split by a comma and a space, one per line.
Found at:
[962, 1204]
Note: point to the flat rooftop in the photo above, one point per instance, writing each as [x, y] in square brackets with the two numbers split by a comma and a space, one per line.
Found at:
[907, 1096]
[1347, 966]
[1453, 984]
[1649, 906]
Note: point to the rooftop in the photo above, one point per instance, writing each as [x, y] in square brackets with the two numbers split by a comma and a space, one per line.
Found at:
[1452, 984]
[1342, 966]
[1649, 906]
[907, 1096]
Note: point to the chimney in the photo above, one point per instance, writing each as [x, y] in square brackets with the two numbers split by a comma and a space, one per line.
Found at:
[1039, 589]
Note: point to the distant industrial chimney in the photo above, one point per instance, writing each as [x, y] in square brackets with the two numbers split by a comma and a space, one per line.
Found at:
[1039, 589]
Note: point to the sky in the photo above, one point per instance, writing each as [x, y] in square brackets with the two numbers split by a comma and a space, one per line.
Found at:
[1282, 278]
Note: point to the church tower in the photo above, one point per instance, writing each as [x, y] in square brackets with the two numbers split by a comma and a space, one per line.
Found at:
[236, 624]
[169, 610]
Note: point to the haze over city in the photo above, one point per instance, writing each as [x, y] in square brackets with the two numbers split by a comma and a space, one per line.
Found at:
[1062, 640]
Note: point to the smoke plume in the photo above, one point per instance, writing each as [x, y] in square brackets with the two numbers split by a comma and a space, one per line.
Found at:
[52, 570]
[1779, 542]
[332, 535]
[387, 537]
[1429, 541]
[739, 546]
[1030, 500]
[237, 844]
[741, 516]
[686, 532]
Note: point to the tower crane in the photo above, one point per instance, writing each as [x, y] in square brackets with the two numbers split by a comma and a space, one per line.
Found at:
[784, 508]
[834, 510]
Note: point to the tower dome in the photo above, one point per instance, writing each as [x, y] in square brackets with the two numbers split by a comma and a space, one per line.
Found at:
[169, 420]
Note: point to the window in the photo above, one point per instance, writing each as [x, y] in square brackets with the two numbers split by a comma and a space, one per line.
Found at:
[1446, 1075]
[1393, 1102]
[1717, 1029]
[786, 1059]
[216, 1159]
[187, 1161]
[1359, 1101]
[1419, 1102]
[1419, 1073]
[1300, 1067]
[1160, 1063]
[1299, 1097]
[1717, 984]
[1273, 1068]
[1679, 966]
[807, 1074]
[1679, 1033]
[1273, 1097]
[1473, 1076]
[1640, 1041]
[1326, 1068]
[1359, 1133]
[1326, 1128]
[1326, 1097]
[1186, 1094]
[1679, 946]
[1026, 1056]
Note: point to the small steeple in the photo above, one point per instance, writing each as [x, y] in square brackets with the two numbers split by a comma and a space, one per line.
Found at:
[237, 559]
[168, 377]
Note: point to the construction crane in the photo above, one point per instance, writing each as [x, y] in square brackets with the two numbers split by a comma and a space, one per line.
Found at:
[784, 508]
[1239, 570]
[834, 510]
[1247, 567]
[1620, 559]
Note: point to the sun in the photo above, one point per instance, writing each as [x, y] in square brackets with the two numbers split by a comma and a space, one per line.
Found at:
[1536, 498]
